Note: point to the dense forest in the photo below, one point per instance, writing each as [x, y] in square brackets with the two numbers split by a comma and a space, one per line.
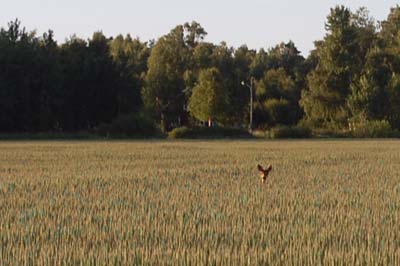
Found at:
[350, 79]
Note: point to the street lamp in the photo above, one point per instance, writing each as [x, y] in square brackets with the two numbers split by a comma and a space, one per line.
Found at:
[251, 101]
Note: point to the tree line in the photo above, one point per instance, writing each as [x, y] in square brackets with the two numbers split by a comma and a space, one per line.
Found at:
[351, 76]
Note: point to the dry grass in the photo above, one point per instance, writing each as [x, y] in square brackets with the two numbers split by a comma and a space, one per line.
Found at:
[200, 203]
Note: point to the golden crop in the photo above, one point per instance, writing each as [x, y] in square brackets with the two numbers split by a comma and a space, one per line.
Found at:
[200, 203]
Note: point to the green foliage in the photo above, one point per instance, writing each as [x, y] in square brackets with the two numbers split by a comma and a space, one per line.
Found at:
[370, 94]
[45, 87]
[286, 56]
[289, 132]
[193, 34]
[202, 55]
[275, 84]
[278, 96]
[208, 133]
[23, 71]
[76, 86]
[391, 27]
[180, 133]
[330, 133]
[210, 97]
[238, 110]
[169, 74]
[128, 125]
[375, 94]
[279, 111]
[163, 93]
[341, 57]
[130, 56]
[394, 102]
[373, 129]
[259, 64]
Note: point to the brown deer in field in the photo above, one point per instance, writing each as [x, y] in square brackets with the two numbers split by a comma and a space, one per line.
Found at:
[264, 172]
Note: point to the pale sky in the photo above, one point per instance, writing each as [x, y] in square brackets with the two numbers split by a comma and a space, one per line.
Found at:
[257, 23]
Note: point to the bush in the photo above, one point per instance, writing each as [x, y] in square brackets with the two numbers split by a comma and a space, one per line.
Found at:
[259, 133]
[373, 129]
[286, 132]
[47, 136]
[330, 133]
[128, 125]
[207, 133]
[180, 133]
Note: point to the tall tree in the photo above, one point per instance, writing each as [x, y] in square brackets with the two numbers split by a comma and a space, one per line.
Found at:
[130, 56]
[286, 56]
[102, 76]
[49, 76]
[279, 84]
[276, 99]
[210, 97]
[374, 94]
[194, 33]
[164, 90]
[370, 94]
[259, 64]
[18, 82]
[390, 27]
[389, 45]
[70, 100]
[88, 98]
[340, 63]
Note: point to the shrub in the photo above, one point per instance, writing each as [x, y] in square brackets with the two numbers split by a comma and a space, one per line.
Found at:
[207, 133]
[373, 129]
[128, 125]
[330, 133]
[180, 133]
[282, 132]
[258, 133]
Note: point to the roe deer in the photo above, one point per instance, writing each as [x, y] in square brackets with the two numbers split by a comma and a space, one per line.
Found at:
[264, 172]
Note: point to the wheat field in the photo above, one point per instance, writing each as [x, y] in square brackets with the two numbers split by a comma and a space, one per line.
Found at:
[199, 203]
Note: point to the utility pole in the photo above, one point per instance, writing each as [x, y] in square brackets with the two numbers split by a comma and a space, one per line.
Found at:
[251, 101]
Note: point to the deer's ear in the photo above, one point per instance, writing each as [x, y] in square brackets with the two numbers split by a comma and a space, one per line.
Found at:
[260, 168]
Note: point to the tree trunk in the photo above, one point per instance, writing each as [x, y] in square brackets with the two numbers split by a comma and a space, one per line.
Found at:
[163, 126]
